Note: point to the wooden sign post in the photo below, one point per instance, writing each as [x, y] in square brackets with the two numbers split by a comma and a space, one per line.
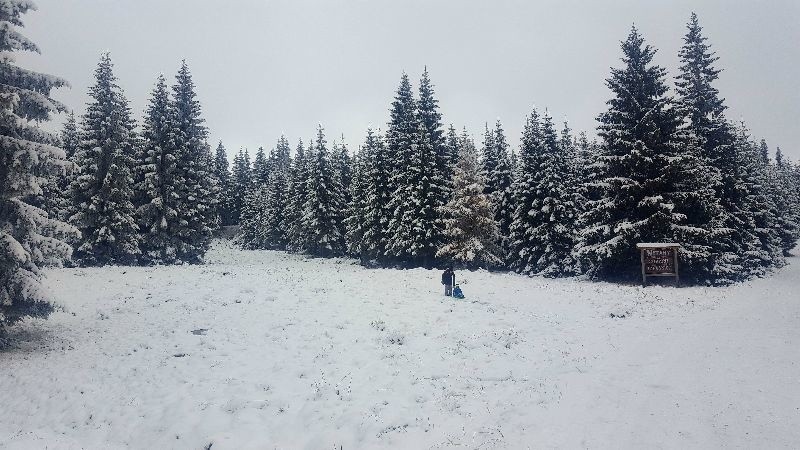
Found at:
[659, 260]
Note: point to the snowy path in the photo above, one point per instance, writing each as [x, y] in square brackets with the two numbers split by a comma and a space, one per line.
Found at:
[265, 349]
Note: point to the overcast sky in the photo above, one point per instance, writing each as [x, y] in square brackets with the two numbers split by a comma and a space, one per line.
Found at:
[265, 67]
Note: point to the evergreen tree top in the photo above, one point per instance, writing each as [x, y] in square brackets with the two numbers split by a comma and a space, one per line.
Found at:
[637, 57]
[186, 104]
[697, 73]
[500, 138]
[429, 109]
[403, 103]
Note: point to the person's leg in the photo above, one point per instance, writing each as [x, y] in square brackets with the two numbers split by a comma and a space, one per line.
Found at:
[448, 290]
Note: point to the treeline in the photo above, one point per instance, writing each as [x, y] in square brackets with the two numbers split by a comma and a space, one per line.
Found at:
[667, 168]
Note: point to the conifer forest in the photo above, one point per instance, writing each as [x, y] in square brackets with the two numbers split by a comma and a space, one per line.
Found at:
[129, 193]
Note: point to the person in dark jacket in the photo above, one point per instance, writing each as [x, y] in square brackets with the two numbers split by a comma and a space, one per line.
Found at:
[448, 280]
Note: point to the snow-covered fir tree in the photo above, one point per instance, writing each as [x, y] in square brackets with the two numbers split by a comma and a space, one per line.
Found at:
[445, 155]
[651, 182]
[376, 171]
[471, 233]
[158, 212]
[785, 198]
[298, 193]
[275, 233]
[240, 183]
[496, 170]
[260, 168]
[704, 110]
[55, 198]
[252, 232]
[223, 177]
[416, 229]
[262, 224]
[28, 155]
[758, 213]
[200, 194]
[343, 167]
[354, 217]
[102, 191]
[542, 228]
[323, 210]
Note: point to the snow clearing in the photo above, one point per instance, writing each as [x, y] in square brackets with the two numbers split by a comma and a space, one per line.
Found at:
[260, 349]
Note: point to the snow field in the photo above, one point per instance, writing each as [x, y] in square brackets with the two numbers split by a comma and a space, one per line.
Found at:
[271, 350]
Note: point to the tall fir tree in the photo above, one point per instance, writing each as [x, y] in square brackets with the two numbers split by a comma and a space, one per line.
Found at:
[496, 170]
[651, 182]
[472, 236]
[445, 155]
[322, 211]
[758, 213]
[416, 229]
[200, 194]
[158, 209]
[376, 170]
[102, 192]
[28, 155]
[275, 234]
[704, 110]
[252, 231]
[260, 168]
[542, 229]
[784, 198]
[223, 177]
[240, 182]
[70, 140]
[298, 193]
[354, 218]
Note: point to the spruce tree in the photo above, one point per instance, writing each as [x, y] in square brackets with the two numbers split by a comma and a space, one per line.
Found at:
[102, 192]
[323, 209]
[158, 212]
[260, 168]
[781, 194]
[445, 155]
[758, 212]
[275, 234]
[496, 170]
[28, 237]
[354, 220]
[223, 177]
[416, 229]
[471, 233]
[704, 110]
[298, 193]
[650, 178]
[57, 199]
[199, 196]
[376, 170]
[252, 231]
[542, 236]
[240, 182]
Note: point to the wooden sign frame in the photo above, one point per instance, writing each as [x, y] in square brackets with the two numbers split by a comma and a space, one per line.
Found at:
[647, 247]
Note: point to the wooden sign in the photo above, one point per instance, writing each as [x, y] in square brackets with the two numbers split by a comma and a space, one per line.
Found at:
[659, 260]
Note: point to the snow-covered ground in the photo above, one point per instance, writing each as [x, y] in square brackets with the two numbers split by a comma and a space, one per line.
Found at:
[270, 350]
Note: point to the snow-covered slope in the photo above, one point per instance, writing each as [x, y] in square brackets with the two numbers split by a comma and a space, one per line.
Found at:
[270, 350]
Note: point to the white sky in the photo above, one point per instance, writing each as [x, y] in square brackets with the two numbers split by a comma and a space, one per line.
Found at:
[264, 67]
